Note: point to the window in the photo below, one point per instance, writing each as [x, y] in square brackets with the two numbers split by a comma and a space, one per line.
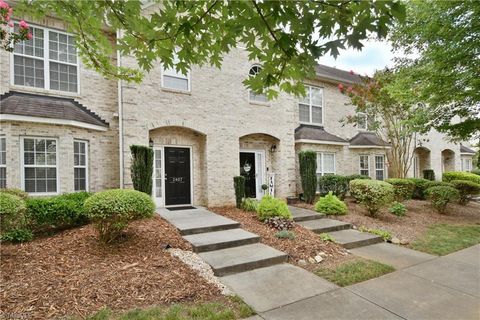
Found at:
[258, 97]
[40, 165]
[80, 165]
[380, 167]
[466, 164]
[3, 162]
[48, 60]
[325, 163]
[311, 106]
[364, 165]
[364, 121]
[416, 168]
[172, 79]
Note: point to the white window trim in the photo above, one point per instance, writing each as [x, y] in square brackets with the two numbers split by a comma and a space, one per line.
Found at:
[4, 165]
[22, 165]
[322, 172]
[366, 121]
[180, 76]
[46, 63]
[384, 166]
[86, 166]
[360, 166]
[250, 92]
[310, 106]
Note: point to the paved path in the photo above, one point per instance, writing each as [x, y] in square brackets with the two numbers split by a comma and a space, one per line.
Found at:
[424, 287]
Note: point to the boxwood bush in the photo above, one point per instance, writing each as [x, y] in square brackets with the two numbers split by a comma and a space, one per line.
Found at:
[440, 196]
[12, 219]
[56, 213]
[270, 207]
[372, 194]
[402, 188]
[336, 184]
[476, 171]
[420, 187]
[437, 184]
[466, 189]
[16, 192]
[459, 175]
[112, 210]
[331, 205]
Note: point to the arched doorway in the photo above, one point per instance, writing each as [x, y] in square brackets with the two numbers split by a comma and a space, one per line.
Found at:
[258, 163]
[179, 176]
[448, 160]
[421, 161]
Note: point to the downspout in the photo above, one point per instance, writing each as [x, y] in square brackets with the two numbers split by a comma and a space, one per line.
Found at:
[120, 116]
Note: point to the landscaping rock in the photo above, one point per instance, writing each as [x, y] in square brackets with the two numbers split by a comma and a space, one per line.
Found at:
[322, 254]
[302, 262]
[311, 260]
[404, 242]
[395, 240]
[318, 259]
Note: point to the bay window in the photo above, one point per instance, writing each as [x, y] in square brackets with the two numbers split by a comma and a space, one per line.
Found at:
[364, 165]
[380, 167]
[311, 106]
[80, 165]
[325, 163]
[3, 162]
[39, 165]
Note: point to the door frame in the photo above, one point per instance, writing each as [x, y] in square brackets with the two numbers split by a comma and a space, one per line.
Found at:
[161, 202]
[255, 152]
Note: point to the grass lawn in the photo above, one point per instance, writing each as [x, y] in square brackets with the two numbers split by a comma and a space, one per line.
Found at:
[354, 271]
[442, 239]
[234, 309]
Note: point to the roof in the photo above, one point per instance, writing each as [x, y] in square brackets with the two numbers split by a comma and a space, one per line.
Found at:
[464, 149]
[311, 132]
[35, 105]
[335, 74]
[367, 139]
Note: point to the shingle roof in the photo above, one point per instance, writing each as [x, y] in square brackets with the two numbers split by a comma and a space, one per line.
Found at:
[367, 139]
[335, 74]
[309, 132]
[464, 149]
[35, 105]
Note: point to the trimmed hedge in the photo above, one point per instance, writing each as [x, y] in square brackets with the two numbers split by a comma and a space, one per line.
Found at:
[270, 207]
[440, 196]
[308, 174]
[459, 175]
[356, 177]
[142, 168]
[336, 184]
[112, 210]
[402, 188]
[239, 186]
[12, 213]
[16, 192]
[420, 187]
[437, 184]
[476, 171]
[59, 212]
[466, 189]
[331, 205]
[373, 194]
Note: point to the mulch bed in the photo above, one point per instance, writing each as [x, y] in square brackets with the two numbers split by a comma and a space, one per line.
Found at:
[73, 274]
[306, 244]
[419, 216]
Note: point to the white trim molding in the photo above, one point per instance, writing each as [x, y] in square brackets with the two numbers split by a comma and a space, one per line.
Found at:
[467, 154]
[73, 123]
[369, 147]
[335, 143]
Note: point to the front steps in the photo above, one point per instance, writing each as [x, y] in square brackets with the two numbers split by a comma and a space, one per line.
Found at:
[325, 225]
[216, 240]
[350, 239]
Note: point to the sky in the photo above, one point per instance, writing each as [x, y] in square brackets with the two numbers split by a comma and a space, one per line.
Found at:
[375, 55]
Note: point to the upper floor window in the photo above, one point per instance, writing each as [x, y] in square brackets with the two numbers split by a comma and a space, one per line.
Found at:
[257, 97]
[3, 162]
[365, 121]
[48, 60]
[172, 79]
[311, 106]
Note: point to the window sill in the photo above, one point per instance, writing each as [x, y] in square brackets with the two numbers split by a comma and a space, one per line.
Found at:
[176, 91]
[45, 91]
[259, 103]
[312, 124]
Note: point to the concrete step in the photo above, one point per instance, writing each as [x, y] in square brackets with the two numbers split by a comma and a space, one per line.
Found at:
[216, 240]
[350, 239]
[325, 225]
[243, 258]
[300, 214]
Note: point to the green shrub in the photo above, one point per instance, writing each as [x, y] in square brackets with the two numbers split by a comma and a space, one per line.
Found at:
[402, 188]
[16, 192]
[372, 194]
[142, 168]
[17, 235]
[336, 184]
[437, 184]
[59, 212]
[440, 196]
[459, 175]
[250, 204]
[420, 187]
[466, 189]
[356, 177]
[270, 207]
[12, 213]
[112, 210]
[381, 233]
[308, 174]
[398, 209]
[239, 185]
[331, 205]
[476, 171]
[326, 237]
[285, 234]
[429, 174]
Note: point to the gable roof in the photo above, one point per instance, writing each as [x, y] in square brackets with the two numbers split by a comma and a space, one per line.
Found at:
[41, 106]
[464, 149]
[337, 75]
[312, 132]
[367, 139]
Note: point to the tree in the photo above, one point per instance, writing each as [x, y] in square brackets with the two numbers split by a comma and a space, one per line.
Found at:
[444, 39]
[8, 35]
[308, 174]
[142, 168]
[394, 121]
[281, 35]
